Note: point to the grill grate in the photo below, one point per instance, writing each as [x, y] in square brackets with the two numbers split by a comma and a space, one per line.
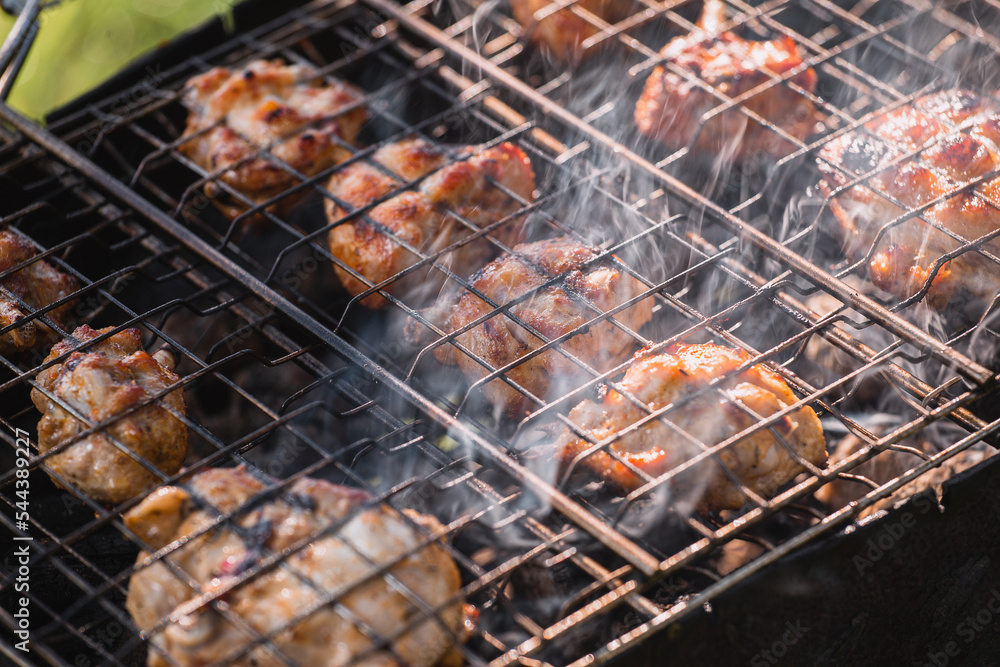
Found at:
[261, 392]
[263, 328]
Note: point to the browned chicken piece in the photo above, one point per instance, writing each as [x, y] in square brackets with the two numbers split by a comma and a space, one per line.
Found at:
[38, 284]
[347, 544]
[552, 311]
[954, 137]
[887, 466]
[672, 108]
[101, 382]
[657, 380]
[562, 30]
[286, 110]
[460, 184]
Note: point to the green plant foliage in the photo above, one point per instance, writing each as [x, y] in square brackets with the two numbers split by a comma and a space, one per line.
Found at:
[83, 42]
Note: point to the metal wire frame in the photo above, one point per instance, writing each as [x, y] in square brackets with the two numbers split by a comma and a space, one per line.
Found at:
[302, 238]
[312, 235]
[618, 646]
[842, 27]
[92, 594]
[551, 344]
[711, 322]
[768, 245]
[917, 214]
[335, 394]
[920, 44]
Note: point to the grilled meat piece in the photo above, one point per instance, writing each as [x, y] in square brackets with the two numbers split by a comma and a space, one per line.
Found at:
[657, 380]
[925, 151]
[672, 108]
[563, 31]
[286, 110]
[883, 467]
[347, 545]
[459, 182]
[38, 284]
[101, 382]
[887, 466]
[552, 311]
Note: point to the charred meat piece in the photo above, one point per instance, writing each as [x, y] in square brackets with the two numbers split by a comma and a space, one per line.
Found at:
[38, 284]
[657, 380]
[347, 544]
[579, 295]
[238, 116]
[562, 31]
[673, 108]
[922, 154]
[459, 187]
[101, 382]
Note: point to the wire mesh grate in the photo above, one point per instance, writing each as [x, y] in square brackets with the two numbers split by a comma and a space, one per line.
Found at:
[712, 247]
[265, 395]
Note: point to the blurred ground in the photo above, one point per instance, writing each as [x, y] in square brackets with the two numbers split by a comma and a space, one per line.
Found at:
[83, 42]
